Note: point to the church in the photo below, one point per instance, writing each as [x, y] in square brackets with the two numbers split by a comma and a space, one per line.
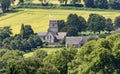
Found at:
[53, 35]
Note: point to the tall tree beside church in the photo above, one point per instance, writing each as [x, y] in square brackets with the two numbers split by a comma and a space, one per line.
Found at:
[22, 31]
[26, 31]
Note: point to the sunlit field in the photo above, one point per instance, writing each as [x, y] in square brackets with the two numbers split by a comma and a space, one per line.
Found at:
[39, 18]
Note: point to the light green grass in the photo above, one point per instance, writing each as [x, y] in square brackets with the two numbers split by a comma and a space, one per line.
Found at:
[39, 18]
[48, 50]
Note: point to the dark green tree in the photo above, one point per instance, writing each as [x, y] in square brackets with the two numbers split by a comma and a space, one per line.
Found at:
[61, 25]
[26, 31]
[89, 3]
[109, 25]
[5, 4]
[5, 32]
[96, 23]
[21, 1]
[115, 4]
[101, 4]
[22, 31]
[72, 31]
[82, 26]
[117, 22]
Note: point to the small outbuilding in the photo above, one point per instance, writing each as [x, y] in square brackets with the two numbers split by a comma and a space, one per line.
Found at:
[76, 41]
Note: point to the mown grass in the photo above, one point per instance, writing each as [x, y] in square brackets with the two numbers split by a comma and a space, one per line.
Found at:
[48, 50]
[39, 18]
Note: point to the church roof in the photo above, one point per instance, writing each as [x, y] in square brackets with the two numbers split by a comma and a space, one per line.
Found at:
[76, 39]
[61, 35]
[42, 33]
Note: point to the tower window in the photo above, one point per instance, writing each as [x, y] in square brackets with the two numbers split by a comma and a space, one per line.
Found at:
[53, 24]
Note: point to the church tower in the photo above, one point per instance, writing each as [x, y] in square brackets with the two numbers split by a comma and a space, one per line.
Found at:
[53, 26]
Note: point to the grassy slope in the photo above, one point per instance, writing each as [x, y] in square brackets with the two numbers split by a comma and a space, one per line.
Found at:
[48, 50]
[39, 18]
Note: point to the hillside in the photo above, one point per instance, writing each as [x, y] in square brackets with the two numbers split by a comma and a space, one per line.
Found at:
[39, 18]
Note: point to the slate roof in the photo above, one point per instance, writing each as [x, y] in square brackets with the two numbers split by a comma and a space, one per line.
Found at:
[76, 39]
[42, 33]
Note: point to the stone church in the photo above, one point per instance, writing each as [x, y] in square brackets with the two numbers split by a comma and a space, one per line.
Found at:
[53, 35]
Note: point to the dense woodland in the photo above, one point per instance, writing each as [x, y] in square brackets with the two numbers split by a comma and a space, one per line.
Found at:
[100, 56]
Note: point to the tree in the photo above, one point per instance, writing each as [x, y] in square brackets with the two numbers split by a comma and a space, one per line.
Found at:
[101, 4]
[115, 4]
[82, 26]
[5, 32]
[75, 1]
[104, 62]
[63, 1]
[96, 23]
[26, 31]
[89, 3]
[21, 1]
[72, 31]
[5, 4]
[72, 20]
[22, 31]
[117, 22]
[61, 25]
[109, 25]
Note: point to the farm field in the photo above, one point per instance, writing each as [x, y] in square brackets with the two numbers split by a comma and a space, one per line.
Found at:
[48, 50]
[39, 18]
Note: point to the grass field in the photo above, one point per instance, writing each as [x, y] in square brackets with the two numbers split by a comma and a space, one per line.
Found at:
[39, 18]
[48, 50]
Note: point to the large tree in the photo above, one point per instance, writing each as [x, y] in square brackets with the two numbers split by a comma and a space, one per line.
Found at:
[101, 3]
[109, 25]
[96, 23]
[26, 31]
[115, 4]
[5, 4]
[117, 22]
[89, 3]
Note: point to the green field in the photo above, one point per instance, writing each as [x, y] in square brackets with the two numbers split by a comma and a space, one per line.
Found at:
[39, 18]
[48, 50]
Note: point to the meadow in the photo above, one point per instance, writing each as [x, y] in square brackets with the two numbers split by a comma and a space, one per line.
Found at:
[39, 18]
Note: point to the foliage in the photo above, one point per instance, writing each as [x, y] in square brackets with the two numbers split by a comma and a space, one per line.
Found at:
[61, 58]
[89, 3]
[25, 41]
[96, 23]
[97, 57]
[109, 25]
[101, 4]
[117, 22]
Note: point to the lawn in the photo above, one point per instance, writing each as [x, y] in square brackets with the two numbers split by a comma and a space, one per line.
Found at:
[48, 50]
[39, 18]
